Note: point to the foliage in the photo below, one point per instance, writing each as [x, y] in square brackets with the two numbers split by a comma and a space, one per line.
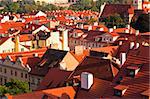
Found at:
[92, 20]
[142, 23]
[114, 20]
[14, 87]
[24, 6]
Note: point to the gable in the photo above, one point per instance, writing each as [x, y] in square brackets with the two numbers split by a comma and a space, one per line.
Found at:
[70, 63]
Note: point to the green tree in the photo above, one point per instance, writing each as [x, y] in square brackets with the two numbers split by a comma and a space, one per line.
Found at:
[14, 87]
[3, 90]
[142, 23]
[114, 20]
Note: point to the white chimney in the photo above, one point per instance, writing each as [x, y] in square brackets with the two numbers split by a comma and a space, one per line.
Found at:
[95, 23]
[137, 32]
[122, 58]
[120, 42]
[132, 45]
[86, 80]
[137, 45]
[115, 27]
[89, 27]
[110, 30]
[79, 50]
[126, 30]
[81, 26]
[35, 54]
[128, 26]
[101, 29]
[27, 26]
[33, 28]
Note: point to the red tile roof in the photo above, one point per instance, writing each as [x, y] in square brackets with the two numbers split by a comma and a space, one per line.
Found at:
[110, 9]
[50, 81]
[50, 93]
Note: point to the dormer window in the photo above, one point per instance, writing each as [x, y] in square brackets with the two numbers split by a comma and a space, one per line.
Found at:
[120, 90]
[132, 70]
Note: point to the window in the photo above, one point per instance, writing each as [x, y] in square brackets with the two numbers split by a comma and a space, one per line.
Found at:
[33, 81]
[15, 73]
[0, 69]
[11, 72]
[1, 80]
[26, 76]
[21, 75]
[5, 80]
[119, 90]
[5, 70]
[38, 81]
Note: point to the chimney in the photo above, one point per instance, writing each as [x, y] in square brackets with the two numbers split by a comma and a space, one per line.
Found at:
[120, 42]
[89, 27]
[132, 45]
[122, 58]
[101, 29]
[81, 26]
[86, 80]
[33, 27]
[110, 30]
[16, 43]
[137, 32]
[95, 23]
[79, 50]
[126, 30]
[65, 40]
[115, 27]
[35, 54]
[128, 26]
[137, 45]
[27, 26]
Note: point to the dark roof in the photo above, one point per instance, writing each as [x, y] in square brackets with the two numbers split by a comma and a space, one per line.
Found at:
[51, 58]
[97, 90]
[110, 9]
[54, 78]
[100, 68]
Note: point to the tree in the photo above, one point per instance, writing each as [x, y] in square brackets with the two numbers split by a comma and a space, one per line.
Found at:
[14, 87]
[114, 20]
[142, 23]
[3, 90]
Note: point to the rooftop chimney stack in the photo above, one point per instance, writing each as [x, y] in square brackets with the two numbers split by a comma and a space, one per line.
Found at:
[122, 58]
[86, 80]
[35, 54]
[128, 26]
[101, 29]
[110, 30]
[137, 45]
[89, 27]
[115, 27]
[137, 32]
[81, 26]
[132, 45]
[120, 42]
[95, 23]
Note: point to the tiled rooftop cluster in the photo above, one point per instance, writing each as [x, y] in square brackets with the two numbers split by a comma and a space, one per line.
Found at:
[63, 58]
